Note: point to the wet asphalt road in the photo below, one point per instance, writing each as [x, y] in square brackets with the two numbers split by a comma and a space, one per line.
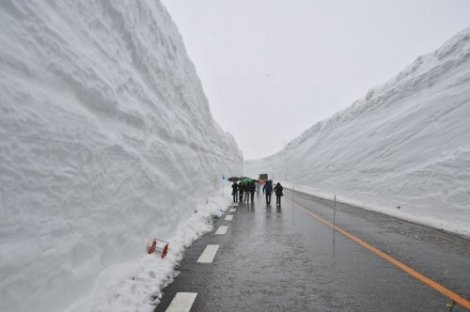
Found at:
[282, 259]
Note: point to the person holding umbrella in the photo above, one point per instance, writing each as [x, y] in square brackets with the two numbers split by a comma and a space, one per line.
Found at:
[235, 191]
[246, 191]
[243, 189]
[252, 190]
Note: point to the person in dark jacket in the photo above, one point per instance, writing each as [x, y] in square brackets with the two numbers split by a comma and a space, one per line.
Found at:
[240, 191]
[252, 190]
[235, 192]
[267, 190]
[246, 191]
[278, 191]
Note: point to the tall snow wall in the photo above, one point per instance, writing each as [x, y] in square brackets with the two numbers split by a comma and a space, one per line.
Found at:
[106, 140]
[403, 149]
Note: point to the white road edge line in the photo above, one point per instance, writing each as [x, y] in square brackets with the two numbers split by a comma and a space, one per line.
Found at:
[182, 302]
[228, 217]
[208, 254]
[222, 230]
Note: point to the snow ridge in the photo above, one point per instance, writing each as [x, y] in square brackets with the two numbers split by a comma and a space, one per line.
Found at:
[106, 140]
[403, 149]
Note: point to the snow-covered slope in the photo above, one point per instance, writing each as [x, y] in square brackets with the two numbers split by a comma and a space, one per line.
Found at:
[406, 144]
[106, 140]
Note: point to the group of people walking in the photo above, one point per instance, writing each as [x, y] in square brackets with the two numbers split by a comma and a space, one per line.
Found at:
[244, 191]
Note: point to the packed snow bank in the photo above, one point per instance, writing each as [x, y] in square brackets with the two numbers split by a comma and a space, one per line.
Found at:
[404, 149]
[106, 140]
[135, 286]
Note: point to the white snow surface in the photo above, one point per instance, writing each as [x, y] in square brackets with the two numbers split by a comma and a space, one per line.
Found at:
[106, 141]
[403, 149]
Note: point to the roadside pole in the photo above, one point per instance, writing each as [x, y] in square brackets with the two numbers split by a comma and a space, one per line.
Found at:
[293, 191]
[293, 203]
[334, 212]
[334, 219]
[334, 231]
[223, 184]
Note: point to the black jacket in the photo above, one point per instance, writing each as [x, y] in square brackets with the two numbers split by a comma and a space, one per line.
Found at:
[278, 189]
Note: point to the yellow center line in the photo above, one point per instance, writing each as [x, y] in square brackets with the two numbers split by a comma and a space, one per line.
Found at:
[426, 280]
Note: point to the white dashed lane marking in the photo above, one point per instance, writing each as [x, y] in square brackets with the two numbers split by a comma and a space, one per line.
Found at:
[228, 217]
[208, 254]
[222, 230]
[182, 302]
[232, 210]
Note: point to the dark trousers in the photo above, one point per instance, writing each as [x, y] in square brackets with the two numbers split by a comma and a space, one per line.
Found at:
[252, 196]
[241, 196]
[278, 199]
[268, 198]
[235, 196]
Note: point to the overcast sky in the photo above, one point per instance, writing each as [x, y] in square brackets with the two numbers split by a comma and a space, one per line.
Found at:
[273, 68]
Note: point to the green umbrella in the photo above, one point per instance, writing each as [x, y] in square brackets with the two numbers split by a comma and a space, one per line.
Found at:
[245, 180]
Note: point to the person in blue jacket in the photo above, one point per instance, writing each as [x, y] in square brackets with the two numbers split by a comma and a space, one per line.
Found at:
[267, 190]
